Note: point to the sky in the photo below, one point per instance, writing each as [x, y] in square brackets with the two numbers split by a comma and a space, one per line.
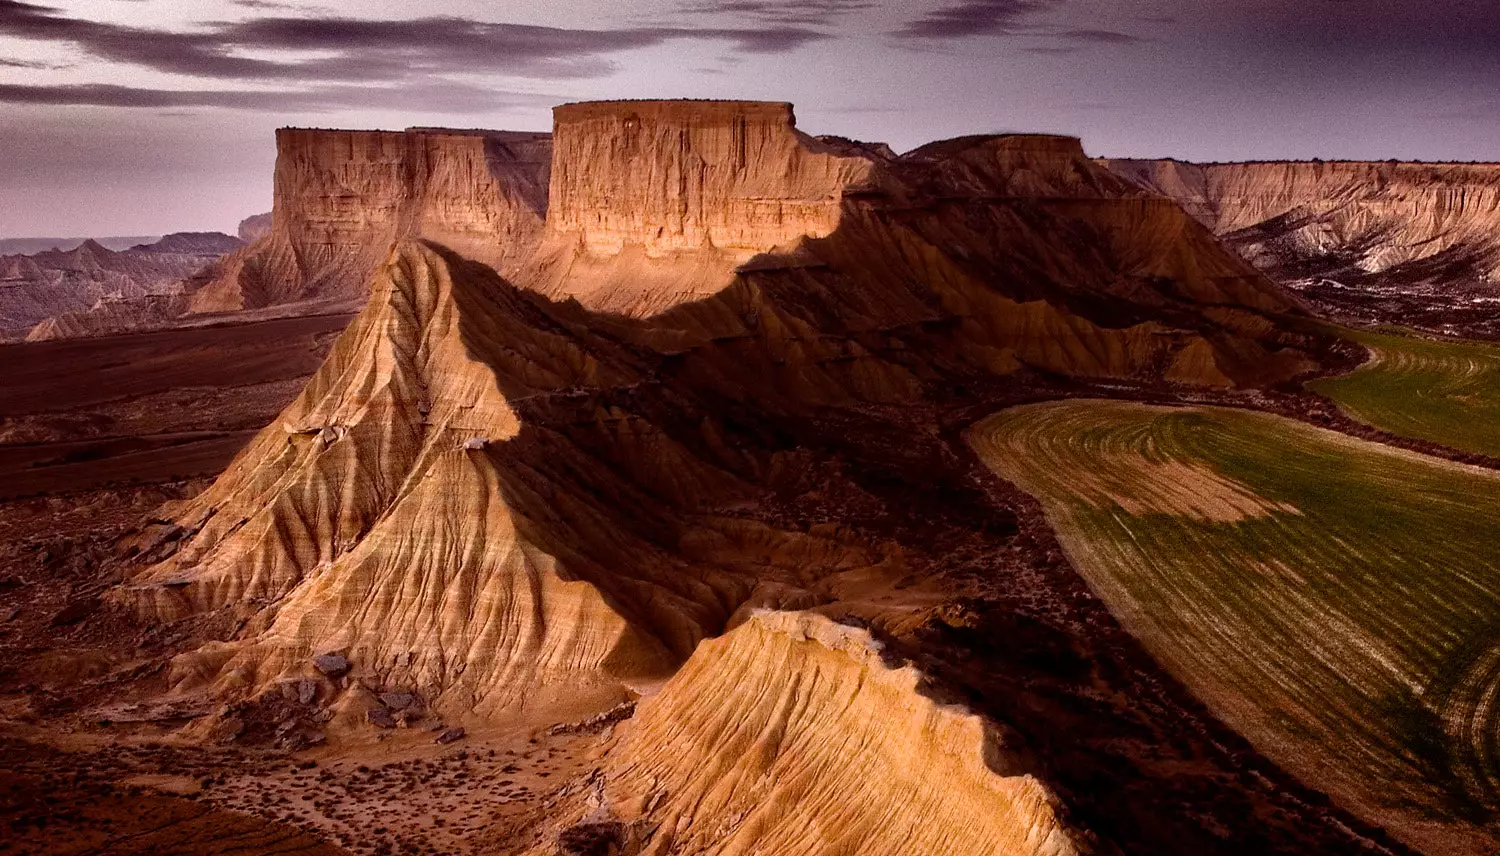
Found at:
[135, 117]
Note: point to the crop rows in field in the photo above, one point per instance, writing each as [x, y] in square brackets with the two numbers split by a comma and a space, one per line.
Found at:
[1440, 391]
[1336, 601]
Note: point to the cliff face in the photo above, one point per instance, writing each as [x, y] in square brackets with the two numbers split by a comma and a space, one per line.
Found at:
[1429, 234]
[689, 175]
[343, 197]
[745, 731]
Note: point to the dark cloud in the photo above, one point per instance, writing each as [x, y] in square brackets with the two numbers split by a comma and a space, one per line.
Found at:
[971, 18]
[27, 63]
[366, 50]
[436, 98]
[801, 13]
[265, 5]
[1098, 37]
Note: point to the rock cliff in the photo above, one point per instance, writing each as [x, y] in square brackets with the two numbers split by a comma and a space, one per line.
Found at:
[1380, 241]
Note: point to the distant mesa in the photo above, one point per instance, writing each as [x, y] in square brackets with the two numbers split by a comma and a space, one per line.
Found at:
[255, 227]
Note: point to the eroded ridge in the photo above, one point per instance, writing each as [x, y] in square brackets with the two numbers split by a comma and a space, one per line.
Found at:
[791, 735]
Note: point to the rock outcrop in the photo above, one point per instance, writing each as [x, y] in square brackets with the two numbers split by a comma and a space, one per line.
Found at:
[734, 756]
[255, 227]
[404, 493]
[1380, 241]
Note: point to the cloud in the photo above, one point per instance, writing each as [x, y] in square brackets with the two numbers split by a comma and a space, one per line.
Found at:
[354, 49]
[1098, 37]
[1011, 18]
[971, 18]
[444, 97]
[27, 63]
[801, 13]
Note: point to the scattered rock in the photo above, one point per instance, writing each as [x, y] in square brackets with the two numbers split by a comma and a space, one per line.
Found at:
[333, 665]
[380, 717]
[452, 735]
[398, 701]
[75, 612]
[599, 722]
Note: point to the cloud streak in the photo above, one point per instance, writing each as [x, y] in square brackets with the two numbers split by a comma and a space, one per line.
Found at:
[352, 49]
[971, 18]
[799, 13]
[444, 97]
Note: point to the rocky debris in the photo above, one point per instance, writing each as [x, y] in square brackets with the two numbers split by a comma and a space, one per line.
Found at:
[75, 612]
[398, 700]
[450, 735]
[596, 723]
[303, 691]
[380, 717]
[334, 666]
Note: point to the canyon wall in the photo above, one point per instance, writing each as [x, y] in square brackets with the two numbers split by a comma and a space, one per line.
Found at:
[1412, 243]
[691, 175]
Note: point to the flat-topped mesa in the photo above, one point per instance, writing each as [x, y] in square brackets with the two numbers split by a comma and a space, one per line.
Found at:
[1027, 165]
[692, 175]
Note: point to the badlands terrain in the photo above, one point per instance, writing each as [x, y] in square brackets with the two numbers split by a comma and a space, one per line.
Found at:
[689, 484]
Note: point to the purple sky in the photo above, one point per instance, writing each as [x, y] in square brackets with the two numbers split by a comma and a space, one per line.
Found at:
[148, 116]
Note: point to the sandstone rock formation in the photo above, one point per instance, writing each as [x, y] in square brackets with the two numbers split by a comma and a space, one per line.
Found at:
[571, 436]
[794, 697]
[404, 494]
[69, 285]
[343, 197]
[1359, 236]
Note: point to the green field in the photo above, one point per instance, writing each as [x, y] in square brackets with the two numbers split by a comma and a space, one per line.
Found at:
[1445, 392]
[1337, 601]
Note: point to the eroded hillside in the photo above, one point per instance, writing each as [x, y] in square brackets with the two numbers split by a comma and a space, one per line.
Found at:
[577, 443]
[59, 294]
[1408, 243]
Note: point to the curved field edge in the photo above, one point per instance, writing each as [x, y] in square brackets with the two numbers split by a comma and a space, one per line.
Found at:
[1445, 392]
[1336, 601]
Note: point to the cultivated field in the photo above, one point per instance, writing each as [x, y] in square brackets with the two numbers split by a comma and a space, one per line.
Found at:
[1445, 392]
[1337, 601]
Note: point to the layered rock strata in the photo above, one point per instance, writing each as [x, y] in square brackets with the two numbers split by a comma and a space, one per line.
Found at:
[1384, 241]
[549, 459]
[733, 756]
[49, 294]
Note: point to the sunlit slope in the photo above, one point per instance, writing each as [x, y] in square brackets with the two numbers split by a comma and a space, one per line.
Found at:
[791, 735]
[1444, 392]
[1335, 600]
